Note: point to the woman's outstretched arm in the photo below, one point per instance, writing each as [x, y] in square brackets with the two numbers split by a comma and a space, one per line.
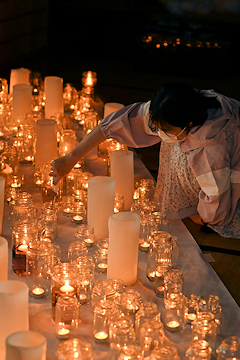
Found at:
[63, 165]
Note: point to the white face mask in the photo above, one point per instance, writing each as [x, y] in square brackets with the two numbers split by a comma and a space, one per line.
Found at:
[170, 138]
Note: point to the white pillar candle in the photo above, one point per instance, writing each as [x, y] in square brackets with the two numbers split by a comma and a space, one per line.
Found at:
[26, 345]
[3, 259]
[21, 102]
[2, 194]
[53, 86]
[101, 193]
[124, 230]
[46, 145]
[122, 170]
[19, 76]
[14, 313]
[111, 107]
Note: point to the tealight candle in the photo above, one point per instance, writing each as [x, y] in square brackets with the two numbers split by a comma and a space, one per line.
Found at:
[101, 335]
[102, 266]
[22, 247]
[191, 316]
[67, 288]
[77, 218]
[63, 332]
[173, 324]
[38, 291]
[82, 297]
[88, 241]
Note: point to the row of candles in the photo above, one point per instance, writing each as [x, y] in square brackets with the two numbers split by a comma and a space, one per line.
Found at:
[118, 312]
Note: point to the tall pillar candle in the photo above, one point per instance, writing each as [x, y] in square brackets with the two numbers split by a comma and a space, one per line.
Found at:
[2, 194]
[53, 86]
[46, 144]
[19, 76]
[101, 193]
[110, 107]
[3, 259]
[124, 230]
[26, 345]
[122, 170]
[21, 102]
[14, 313]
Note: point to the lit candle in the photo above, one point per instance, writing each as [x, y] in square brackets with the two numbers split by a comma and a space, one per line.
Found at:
[145, 245]
[173, 324]
[7, 170]
[101, 335]
[63, 332]
[67, 288]
[38, 291]
[77, 218]
[82, 297]
[102, 266]
[67, 210]
[23, 247]
[88, 241]
[191, 316]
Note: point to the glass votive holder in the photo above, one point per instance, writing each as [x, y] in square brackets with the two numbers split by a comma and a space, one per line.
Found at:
[102, 243]
[78, 213]
[67, 205]
[160, 270]
[174, 316]
[118, 203]
[47, 223]
[67, 317]
[38, 177]
[85, 232]
[129, 302]
[75, 249]
[192, 302]
[212, 304]
[22, 234]
[16, 181]
[76, 348]
[198, 349]
[131, 352]
[86, 279]
[151, 335]
[24, 208]
[147, 311]
[100, 258]
[229, 349]
[205, 328]
[173, 282]
[121, 334]
[89, 78]
[104, 289]
[164, 352]
[103, 313]
[146, 189]
[64, 281]
[38, 269]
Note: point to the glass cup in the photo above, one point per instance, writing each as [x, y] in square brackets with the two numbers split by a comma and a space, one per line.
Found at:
[22, 234]
[38, 268]
[75, 249]
[106, 289]
[212, 304]
[173, 281]
[161, 270]
[121, 334]
[64, 281]
[131, 352]
[118, 203]
[147, 311]
[174, 312]
[100, 258]
[198, 349]
[205, 328]
[67, 316]
[85, 280]
[47, 224]
[151, 335]
[193, 307]
[165, 352]
[129, 302]
[229, 349]
[76, 348]
[85, 233]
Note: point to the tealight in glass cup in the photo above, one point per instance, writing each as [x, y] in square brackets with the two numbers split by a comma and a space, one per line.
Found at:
[85, 233]
[229, 349]
[198, 349]
[205, 328]
[67, 316]
[160, 271]
[100, 258]
[173, 282]
[119, 203]
[75, 249]
[175, 312]
[131, 352]
[121, 334]
[129, 303]
[151, 335]
[164, 352]
[72, 349]
[147, 311]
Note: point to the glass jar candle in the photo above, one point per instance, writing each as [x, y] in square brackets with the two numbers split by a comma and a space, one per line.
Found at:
[78, 213]
[85, 233]
[193, 307]
[24, 208]
[47, 223]
[85, 280]
[147, 311]
[212, 304]
[160, 271]
[229, 349]
[67, 317]
[67, 142]
[174, 312]
[173, 281]
[129, 303]
[72, 349]
[121, 334]
[131, 352]
[118, 203]
[151, 335]
[64, 281]
[146, 189]
[22, 234]
[100, 258]
[38, 269]
[205, 328]
[198, 349]
[165, 352]
[75, 249]
[104, 289]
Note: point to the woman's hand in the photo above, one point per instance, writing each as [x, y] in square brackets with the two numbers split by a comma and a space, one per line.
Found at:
[61, 167]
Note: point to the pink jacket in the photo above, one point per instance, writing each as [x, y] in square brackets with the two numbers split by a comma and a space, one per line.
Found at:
[213, 152]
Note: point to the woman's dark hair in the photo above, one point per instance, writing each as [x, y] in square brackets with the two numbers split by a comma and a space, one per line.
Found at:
[178, 104]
